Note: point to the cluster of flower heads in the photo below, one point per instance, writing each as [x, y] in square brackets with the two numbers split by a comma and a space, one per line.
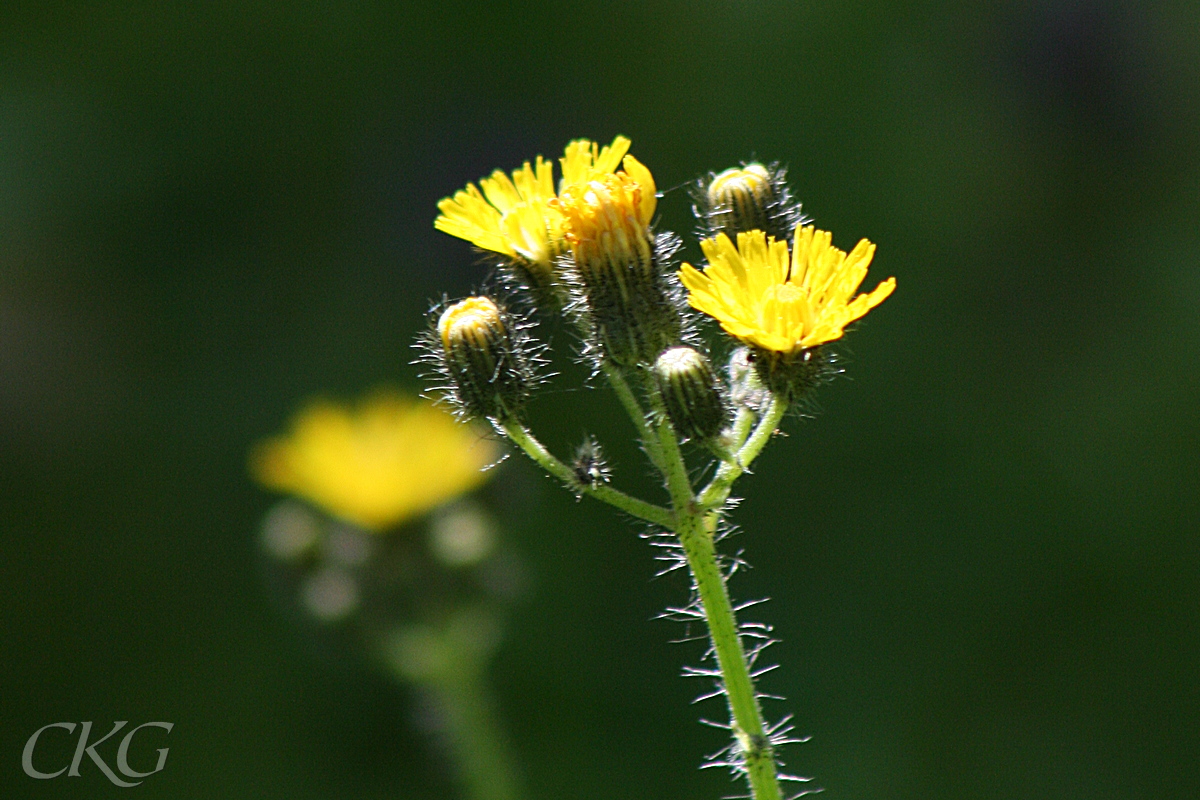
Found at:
[586, 250]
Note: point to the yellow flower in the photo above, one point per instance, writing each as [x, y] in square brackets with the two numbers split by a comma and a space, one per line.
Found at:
[606, 218]
[513, 217]
[765, 300]
[391, 458]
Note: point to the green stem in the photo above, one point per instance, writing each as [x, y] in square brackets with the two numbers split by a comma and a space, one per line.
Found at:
[727, 446]
[450, 661]
[741, 427]
[634, 409]
[696, 536]
[717, 492]
[483, 764]
[746, 716]
[656, 515]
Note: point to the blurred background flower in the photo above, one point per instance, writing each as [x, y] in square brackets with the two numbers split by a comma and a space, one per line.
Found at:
[385, 545]
[208, 211]
[392, 458]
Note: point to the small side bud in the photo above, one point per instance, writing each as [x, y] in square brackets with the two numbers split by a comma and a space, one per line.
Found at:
[481, 357]
[747, 198]
[690, 393]
[745, 387]
[589, 466]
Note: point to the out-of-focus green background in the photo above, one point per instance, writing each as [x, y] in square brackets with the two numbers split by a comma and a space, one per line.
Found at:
[982, 553]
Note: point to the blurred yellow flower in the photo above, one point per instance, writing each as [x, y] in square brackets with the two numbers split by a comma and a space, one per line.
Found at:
[513, 217]
[391, 458]
[763, 299]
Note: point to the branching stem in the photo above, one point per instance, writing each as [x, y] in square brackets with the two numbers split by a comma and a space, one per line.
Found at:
[636, 413]
[521, 436]
[717, 492]
[694, 520]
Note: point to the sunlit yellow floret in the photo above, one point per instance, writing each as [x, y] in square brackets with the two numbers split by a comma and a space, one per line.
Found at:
[764, 299]
[512, 216]
[607, 217]
[389, 459]
[584, 160]
[509, 216]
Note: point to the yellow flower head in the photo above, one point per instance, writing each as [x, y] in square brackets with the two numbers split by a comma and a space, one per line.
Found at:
[391, 458]
[766, 300]
[513, 217]
[606, 218]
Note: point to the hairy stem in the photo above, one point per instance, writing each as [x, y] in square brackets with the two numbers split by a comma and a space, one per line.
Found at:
[717, 492]
[521, 437]
[696, 535]
[636, 413]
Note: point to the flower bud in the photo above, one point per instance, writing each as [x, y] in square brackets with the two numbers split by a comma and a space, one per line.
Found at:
[590, 466]
[627, 304]
[745, 387]
[481, 356]
[747, 198]
[690, 393]
[792, 375]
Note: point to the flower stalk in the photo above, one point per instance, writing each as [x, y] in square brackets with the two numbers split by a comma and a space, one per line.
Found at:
[449, 664]
[696, 529]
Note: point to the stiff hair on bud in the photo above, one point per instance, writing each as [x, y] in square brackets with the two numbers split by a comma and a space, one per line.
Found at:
[484, 356]
[690, 393]
[590, 467]
[747, 198]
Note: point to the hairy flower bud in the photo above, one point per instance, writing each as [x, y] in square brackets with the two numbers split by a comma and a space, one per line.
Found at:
[747, 198]
[481, 357]
[793, 375]
[590, 467]
[690, 393]
[745, 387]
[627, 303]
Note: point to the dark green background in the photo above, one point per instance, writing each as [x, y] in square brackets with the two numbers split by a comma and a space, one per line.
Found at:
[982, 553]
